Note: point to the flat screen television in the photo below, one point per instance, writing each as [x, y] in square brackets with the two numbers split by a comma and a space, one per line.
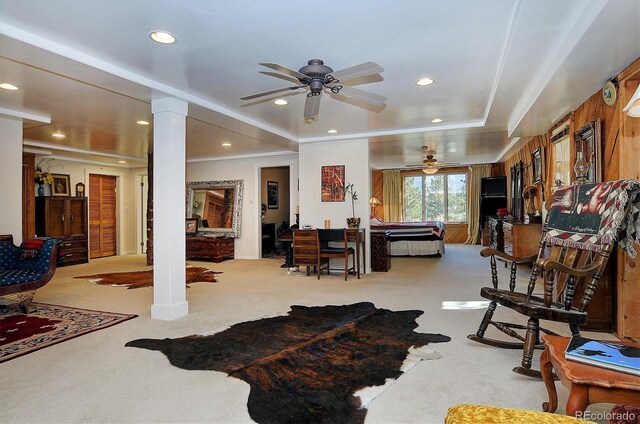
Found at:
[493, 187]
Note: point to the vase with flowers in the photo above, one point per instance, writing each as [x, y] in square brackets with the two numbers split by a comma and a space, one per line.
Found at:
[42, 177]
[352, 222]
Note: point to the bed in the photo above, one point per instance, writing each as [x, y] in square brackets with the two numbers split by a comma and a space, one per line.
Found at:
[413, 238]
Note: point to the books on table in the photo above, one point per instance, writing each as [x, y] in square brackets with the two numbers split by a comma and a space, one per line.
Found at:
[604, 354]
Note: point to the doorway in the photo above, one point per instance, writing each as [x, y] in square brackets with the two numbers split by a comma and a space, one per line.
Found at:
[102, 215]
[274, 200]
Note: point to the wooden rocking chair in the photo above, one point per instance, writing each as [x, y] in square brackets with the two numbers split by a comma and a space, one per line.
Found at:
[570, 263]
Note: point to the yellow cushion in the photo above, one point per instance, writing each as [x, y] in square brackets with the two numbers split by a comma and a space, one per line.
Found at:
[485, 414]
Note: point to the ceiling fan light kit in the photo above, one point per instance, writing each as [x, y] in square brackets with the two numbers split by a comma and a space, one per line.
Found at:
[316, 77]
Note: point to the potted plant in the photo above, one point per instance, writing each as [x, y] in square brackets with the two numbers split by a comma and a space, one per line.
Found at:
[352, 222]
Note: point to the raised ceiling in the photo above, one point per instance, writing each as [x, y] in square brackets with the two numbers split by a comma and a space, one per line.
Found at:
[502, 70]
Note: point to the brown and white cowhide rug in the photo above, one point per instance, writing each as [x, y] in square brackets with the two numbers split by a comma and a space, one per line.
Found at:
[312, 364]
[137, 279]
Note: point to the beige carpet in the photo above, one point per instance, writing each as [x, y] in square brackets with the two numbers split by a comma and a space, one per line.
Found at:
[94, 378]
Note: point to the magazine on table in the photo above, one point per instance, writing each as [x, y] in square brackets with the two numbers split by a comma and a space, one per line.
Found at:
[604, 354]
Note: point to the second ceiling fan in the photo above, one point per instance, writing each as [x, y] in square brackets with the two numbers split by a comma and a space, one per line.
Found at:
[316, 77]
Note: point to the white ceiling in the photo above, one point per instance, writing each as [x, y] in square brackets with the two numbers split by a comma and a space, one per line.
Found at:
[503, 69]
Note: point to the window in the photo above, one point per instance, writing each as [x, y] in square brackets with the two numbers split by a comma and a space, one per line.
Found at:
[439, 197]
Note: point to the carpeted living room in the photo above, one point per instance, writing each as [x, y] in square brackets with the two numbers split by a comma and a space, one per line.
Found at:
[95, 378]
[272, 211]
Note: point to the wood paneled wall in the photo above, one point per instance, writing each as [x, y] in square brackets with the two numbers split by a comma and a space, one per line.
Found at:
[376, 191]
[620, 143]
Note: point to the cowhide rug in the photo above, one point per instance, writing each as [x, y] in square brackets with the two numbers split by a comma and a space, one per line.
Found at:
[308, 365]
[137, 279]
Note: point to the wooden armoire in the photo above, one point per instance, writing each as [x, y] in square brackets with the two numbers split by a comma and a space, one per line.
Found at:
[64, 218]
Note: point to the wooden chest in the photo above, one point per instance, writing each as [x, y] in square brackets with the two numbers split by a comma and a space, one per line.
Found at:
[216, 249]
[380, 252]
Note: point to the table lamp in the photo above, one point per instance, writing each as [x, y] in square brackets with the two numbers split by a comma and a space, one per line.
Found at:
[374, 202]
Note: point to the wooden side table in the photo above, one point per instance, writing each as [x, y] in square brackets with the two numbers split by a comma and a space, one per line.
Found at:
[587, 384]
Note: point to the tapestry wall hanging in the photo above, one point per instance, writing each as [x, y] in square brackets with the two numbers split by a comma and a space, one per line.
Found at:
[333, 183]
[321, 364]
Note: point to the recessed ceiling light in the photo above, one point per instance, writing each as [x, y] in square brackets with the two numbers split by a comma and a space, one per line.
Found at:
[226, 144]
[122, 161]
[58, 134]
[280, 102]
[425, 81]
[7, 86]
[332, 131]
[142, 122]
[436, 121]
[163, 37]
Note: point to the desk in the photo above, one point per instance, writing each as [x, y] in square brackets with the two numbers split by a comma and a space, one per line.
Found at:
[587, 384]
[356, 235]
[359, 237]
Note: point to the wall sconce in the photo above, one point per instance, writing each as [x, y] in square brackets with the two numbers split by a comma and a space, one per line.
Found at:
[633, 107]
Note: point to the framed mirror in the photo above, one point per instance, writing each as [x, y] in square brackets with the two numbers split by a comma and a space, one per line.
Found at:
[217, 205]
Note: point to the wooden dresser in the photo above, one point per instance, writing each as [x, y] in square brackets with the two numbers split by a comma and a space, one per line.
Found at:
[64, 218]
[521, 239]
[216, 249]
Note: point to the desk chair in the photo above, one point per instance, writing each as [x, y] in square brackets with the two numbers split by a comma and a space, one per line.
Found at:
[306, 250]
[327, 253]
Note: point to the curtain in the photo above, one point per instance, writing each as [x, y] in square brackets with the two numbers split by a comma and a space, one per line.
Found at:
[392, 195]
[476, 173]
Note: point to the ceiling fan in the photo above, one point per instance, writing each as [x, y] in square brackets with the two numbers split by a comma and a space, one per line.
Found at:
[316, 77]
[430, 165]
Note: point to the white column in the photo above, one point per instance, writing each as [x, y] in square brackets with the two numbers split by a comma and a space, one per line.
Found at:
[11, 178]
[169, 131]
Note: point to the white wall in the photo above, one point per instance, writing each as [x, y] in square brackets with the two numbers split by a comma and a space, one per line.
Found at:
[354, 155]
[247, 246]
[126, 206]
[11, 178]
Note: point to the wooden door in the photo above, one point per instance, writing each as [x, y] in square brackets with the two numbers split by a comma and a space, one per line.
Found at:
[102, 215]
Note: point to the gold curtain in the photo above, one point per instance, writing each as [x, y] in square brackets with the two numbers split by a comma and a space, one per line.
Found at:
[392, 195]
[476, 173]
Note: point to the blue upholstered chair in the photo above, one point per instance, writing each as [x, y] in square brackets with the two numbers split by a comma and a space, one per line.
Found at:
[25, 269]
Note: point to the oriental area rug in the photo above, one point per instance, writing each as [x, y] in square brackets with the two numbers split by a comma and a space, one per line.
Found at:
[48, 325]
[320, 364]
[138, 279]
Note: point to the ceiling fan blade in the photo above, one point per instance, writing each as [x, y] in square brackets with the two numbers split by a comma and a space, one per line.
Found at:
[284, 77]
[312, 106]
[284, 70]
[362, 70]
[361, 95]
[266, 93]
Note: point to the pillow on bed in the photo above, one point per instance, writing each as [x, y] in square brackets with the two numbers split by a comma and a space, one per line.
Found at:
[375, 221]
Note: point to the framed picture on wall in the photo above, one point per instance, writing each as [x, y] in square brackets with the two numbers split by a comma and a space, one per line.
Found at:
[272, 194]
[191, 226]
[332, 183]
[60, 185]
[537, 162]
